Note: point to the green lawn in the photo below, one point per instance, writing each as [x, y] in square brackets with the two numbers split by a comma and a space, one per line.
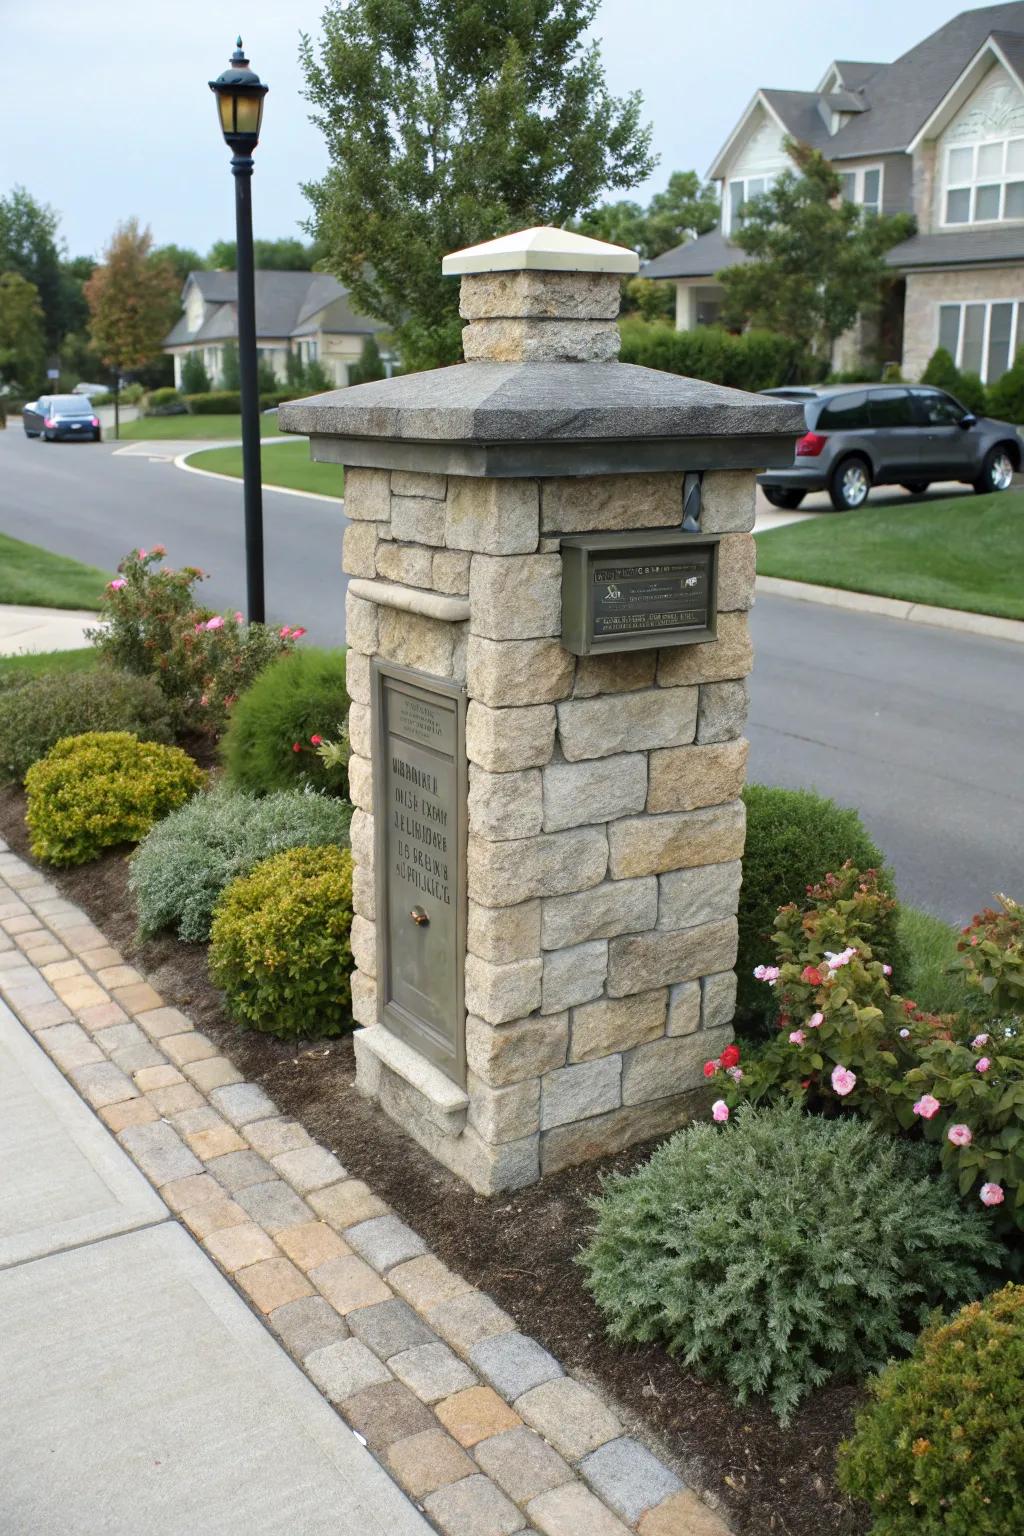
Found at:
[965, 552]
[47, 661]
[173, 428]
[286, 464]
[34, 577]
[931, 948]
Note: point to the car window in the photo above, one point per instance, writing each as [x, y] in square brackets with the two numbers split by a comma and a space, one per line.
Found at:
[938, 410]
[844, 413]
[72, 405]
[891, 408]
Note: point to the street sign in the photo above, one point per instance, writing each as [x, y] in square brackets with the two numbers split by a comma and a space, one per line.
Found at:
[53, 373]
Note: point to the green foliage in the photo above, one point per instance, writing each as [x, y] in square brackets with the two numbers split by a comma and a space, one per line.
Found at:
[756, 360]
[943, 373]
[449, 122]
[892, 373]
[781, 1252]
[22, 342]
[794, 839]
[940, 1449]
[194, 378]
[266, 379]
[286, 255]
[278, 724]
[230, 368]
[816, 259]
[973, 394]
[181, 259]
[648, 299]
[35, 715]
[369, 366]
[188, 859]
[95, 791]
[30, 245]
[133, 299]
[202, 661]
[215, 402]
[280, 944]
[687, 208]
[992, 955]
[315, 378]
[164, 402]
[1006, 395]
[931, 974]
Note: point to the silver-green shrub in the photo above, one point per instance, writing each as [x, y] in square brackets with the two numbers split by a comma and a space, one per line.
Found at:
[782, 1251]
[180, 869]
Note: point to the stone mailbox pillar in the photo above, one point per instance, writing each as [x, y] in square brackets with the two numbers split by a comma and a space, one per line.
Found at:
[548, 830]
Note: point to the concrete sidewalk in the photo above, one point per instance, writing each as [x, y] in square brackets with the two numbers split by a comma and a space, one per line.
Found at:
[140, 1393]
[28, 630]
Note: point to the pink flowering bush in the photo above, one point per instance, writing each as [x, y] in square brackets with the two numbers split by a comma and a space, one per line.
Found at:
[992, 954]
[152, 624]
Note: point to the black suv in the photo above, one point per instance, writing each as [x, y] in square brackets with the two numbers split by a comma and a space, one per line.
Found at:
[889, 434]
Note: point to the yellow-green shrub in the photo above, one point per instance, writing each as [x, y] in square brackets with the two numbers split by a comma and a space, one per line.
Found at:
[280, 945]
[940, 1450]
[94, 791]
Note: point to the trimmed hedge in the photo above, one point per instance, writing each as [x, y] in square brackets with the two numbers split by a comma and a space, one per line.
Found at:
[754, 360]
[216, 402]
[37, 712]
[794, 839]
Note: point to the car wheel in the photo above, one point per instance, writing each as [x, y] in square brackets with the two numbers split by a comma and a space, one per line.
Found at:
[779, 496]
[850, 484]
[96, 435]
[996, 472]
[916, 487]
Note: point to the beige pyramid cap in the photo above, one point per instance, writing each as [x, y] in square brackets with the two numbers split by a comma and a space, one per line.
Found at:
[544, 249]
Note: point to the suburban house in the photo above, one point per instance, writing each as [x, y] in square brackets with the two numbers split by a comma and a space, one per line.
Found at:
[940, 134]
[305, 313]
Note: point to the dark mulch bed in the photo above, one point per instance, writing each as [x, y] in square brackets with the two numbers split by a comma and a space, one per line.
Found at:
[518, 1247]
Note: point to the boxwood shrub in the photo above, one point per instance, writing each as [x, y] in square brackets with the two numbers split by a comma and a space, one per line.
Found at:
[281, 947]
[184, 863]
[269, 742]
[781, 1251]
[92, 792]
[794, 839]
[38, 711]
[940, 1450]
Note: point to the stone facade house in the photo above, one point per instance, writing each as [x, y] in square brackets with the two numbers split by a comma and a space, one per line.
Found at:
[939, 133]
[305, 313]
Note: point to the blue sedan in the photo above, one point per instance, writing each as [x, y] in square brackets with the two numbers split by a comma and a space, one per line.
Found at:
[60, 418]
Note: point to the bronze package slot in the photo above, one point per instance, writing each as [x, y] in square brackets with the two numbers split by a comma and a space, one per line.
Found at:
[420, 823]
[638, 591]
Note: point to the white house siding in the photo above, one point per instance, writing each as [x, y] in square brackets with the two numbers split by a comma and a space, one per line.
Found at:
[926, 291]
[995, 110]
[761, 154]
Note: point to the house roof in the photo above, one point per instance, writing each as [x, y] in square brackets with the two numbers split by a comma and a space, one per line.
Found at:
[702, 257]
[287, 304]
[855, 73]
[972, 247]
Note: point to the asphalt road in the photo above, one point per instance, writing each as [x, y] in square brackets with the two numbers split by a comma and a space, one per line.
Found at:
[921, 729]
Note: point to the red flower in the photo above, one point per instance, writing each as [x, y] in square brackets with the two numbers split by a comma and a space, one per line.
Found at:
[316, 740]
[811, 974]
[730, 1057]
[710, 1068]
[296, 746]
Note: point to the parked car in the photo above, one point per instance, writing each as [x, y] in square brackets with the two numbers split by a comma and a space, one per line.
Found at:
[889, 434]
[57, 418]
[91, 389]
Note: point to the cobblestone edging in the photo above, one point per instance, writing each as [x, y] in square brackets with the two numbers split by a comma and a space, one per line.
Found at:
[476, 1421]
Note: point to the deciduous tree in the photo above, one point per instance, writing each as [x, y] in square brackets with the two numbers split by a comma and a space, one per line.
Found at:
[816, 260]
[453, 121]
[687, 208]
[133, 299]
[22, 345]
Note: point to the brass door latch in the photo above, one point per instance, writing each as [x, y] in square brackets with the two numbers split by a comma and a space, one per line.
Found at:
[419, 917]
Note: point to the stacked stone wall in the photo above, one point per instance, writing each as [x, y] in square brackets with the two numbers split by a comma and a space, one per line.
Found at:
[605, 824]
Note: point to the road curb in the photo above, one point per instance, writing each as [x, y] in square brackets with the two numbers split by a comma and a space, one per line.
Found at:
[181, 462]
[892, 608]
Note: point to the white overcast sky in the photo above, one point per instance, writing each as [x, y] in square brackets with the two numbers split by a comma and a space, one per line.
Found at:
[105, 111]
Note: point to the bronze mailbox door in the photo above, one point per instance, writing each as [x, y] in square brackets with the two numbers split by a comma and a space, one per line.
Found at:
[420, 797]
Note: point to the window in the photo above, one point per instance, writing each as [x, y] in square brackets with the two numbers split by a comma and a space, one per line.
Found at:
[844, 413]
[740, 193]
[864, 186]
[937, 410]
[982, 337]
[891, 408]
[985, 182]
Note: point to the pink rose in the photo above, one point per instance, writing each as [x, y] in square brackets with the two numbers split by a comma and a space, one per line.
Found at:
[843, 1080]
[768, 973]
[720, 1110]
[982, 1064]
[979, 1040]
[215, 623]
[142, 554]
[239, 618]
[842, 958]
[298, 633]
[927, 1106]
[816, 1019]
[797, 1037]
[992, 1194]
[886, 970]
[284, 631]
[736, 1073]
[116, 584]
[960, 1135]
[159, 551]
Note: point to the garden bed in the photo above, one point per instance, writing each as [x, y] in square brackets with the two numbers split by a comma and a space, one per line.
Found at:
[520, 1247]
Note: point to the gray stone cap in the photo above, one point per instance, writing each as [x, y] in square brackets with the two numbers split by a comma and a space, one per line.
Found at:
[541, 402]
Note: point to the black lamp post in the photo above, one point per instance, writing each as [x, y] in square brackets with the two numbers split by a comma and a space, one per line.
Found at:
[240, 96]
